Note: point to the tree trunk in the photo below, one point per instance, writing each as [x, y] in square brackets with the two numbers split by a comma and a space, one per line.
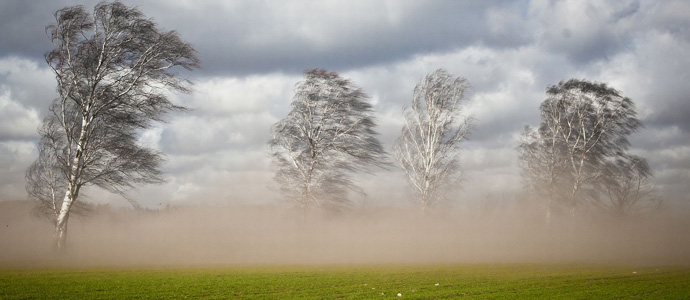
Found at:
[548, 212]
[71, 193]
[60, 235]
[573, 198]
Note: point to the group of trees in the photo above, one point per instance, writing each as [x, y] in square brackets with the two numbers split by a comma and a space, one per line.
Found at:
[577, 158]
[330, 134]
[114, 71]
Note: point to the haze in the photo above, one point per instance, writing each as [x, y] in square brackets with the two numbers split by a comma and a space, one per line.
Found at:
[276, 235]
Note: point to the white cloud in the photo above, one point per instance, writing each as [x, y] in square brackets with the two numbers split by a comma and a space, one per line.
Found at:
[16, 121]
[25, 92]
[30, 84]
[222, 96]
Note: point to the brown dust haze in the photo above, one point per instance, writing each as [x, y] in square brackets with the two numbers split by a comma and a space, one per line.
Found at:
[246, 234]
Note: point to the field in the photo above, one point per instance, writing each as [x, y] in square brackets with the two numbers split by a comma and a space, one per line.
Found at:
[258, 252]
[496, 281]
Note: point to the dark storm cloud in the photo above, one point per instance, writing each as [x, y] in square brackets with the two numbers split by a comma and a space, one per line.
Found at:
[23, 23]
[586, 31]
[241, 37]
[22, 28]
[250, 37]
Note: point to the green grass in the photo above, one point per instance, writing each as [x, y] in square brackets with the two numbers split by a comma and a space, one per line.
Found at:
[346, 282]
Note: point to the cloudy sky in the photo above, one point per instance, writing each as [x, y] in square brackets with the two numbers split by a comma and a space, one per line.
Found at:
[253, 53]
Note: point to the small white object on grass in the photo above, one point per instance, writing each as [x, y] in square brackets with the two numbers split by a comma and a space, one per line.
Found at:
[436, 284]
[399, 294]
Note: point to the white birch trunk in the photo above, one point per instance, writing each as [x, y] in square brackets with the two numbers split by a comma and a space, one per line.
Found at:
[72, 191]
[60, 234]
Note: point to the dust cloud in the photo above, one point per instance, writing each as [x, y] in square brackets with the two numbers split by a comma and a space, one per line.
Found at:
[272, 234]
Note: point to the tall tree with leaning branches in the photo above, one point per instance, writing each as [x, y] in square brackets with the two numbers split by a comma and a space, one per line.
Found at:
[428, 147]
[584, 130]
[327, 137]
[114, 70]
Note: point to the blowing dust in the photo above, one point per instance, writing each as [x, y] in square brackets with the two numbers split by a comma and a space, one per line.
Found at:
[272, 234]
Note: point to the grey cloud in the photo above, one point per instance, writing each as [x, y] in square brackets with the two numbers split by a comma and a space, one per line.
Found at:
[241, 37]
[22, 26]
[660, 79]
[16, 156]
[584, 31]
[281, 42]
[669, 16]
[674, 112]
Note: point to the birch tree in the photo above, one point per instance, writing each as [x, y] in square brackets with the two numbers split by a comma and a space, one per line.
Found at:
[542, 165]
[584, 126]
[428, 147]
[46, 181]
[327, 137]
[114, 71]
[626, 187]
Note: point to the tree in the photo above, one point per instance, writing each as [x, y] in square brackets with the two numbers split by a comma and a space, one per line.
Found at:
[584, 126]
[428, 146]
[113, 70]
[626, 187]
[327, 136]
[46, 181]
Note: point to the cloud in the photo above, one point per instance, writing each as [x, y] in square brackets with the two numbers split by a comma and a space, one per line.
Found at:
[197, 135]
[253, 54]
[16, 121]
[222, 96]
[585, 31]
[249, 37]
[25, 91]
[228, 113]
[31, 84]
[654, 75]
[16, 157]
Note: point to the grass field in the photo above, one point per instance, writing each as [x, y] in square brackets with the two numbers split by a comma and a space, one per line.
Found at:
[347, 282]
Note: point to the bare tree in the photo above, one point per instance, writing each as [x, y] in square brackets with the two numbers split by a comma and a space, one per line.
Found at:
[428, 146]
[626, 187]
[326, 137]
[45, 177]
[46, 181]
[583, 126]
[113, 74]
[540, 157]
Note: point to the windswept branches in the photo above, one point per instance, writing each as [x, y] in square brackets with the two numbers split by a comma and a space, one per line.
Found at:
[626, 187]
[326, 137]
[582, 141]
[114, 70]
[427, 148]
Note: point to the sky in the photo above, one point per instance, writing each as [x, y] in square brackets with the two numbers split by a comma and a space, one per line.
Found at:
[254, 52]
